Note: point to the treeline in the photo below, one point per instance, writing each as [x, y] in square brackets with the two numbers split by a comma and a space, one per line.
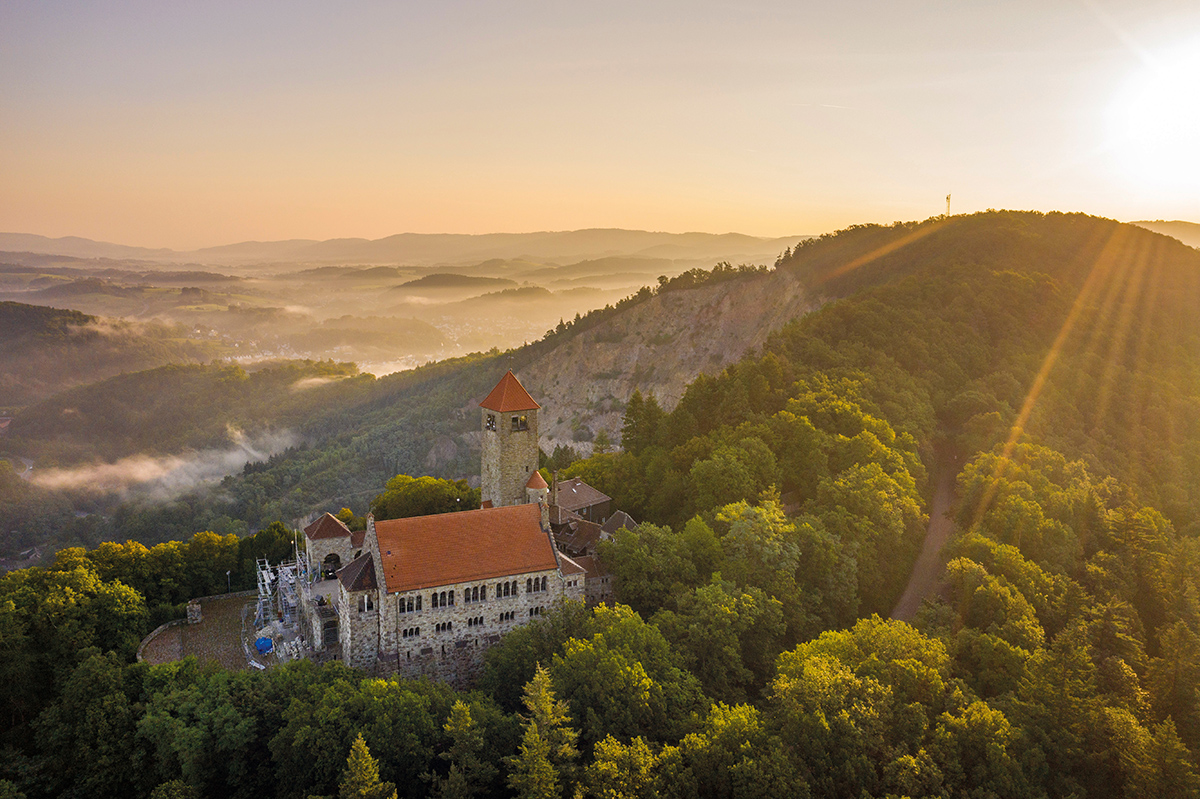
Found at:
[691, 279]
[46, 350]
[106, 600]
[178, 407]
[783, 501]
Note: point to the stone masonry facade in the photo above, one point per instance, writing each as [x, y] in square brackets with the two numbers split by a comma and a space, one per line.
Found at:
[444, 640]
[509, 457]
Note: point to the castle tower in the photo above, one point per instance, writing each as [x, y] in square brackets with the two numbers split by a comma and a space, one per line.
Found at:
[510, 442]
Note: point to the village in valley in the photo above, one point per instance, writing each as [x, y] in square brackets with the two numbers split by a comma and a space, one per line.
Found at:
[424, 595]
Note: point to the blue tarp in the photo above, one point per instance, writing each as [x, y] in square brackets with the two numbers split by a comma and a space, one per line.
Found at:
[264, 645]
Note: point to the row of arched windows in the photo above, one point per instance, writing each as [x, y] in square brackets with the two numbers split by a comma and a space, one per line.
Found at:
[443, 627]
[535, 612]
[475, 621]
[445, 599]
[508, 615]
[365, 602]
[411, 632]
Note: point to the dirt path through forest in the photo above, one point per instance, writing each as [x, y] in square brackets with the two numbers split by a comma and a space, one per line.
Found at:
[927, 571]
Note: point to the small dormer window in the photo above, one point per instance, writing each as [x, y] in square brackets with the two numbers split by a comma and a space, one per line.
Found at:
[520, 423]
[490, 423]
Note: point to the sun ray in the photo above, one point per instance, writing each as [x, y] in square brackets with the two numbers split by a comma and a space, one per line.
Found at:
[1102, 266]
[889, 248]
[1115, 360]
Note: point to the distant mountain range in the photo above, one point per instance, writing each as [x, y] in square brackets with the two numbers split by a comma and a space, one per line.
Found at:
[1187, 232]
[429, 248]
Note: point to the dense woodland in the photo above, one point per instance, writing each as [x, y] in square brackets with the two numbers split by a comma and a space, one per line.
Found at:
[1050, 362]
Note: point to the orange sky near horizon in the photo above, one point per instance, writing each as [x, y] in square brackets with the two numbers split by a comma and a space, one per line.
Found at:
[191, 125]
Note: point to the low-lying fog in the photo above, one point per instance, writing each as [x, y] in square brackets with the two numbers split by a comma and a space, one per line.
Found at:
[385, 318]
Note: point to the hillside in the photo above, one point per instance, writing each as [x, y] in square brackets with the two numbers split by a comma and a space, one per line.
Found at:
[657, 347]
[1043, 369]
[423, 248]
[1187, 232]
[176, 408]
[658, 341]
[46, 350]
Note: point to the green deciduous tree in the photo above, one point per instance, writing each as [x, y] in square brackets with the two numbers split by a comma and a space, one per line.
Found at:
[420, 496]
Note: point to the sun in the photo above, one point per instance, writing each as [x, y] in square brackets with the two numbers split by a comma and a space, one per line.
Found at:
[1154, 125]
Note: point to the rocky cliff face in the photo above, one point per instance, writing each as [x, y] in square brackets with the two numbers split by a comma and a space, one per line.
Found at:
[658, 347]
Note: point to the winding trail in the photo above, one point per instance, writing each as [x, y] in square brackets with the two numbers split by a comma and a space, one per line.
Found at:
[927, 571]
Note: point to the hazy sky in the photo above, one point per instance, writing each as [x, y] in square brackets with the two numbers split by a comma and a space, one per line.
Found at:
[190, 124]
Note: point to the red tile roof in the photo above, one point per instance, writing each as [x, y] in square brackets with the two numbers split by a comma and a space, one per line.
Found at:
[327, 526]
[536, 481]
[509, 395]
[425, 551]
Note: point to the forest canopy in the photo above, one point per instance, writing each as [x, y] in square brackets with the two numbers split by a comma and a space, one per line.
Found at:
[1047, 363]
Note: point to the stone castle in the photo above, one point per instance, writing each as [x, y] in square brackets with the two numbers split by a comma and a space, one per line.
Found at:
[428, 595]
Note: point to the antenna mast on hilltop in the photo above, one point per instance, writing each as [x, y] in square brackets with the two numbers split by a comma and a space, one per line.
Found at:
[947, 205]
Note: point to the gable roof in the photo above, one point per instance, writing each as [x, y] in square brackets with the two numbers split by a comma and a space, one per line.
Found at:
[327, 526]
[591, 564]
[617, 521]
[426, 551]
[579, 538]
[575, 494]
[509, 395]
[359, 574]
[569, 566]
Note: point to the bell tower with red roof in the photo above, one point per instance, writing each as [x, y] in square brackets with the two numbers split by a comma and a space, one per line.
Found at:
[510, 442]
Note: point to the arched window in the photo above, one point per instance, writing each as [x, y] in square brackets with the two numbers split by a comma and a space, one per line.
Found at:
[475, 594]
[529, 585]
[451, 597]
[370, 603]
[545, 582]
[418, 601]
[483, 593]
[442, 599]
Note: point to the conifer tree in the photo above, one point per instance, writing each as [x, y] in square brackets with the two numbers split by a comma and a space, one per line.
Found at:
[361, 780]
[545, 762]
[469, 774]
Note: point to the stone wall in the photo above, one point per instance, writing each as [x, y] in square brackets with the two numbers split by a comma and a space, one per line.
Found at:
[358, 630]
[509, 457]
[493, 612]
[321, 548]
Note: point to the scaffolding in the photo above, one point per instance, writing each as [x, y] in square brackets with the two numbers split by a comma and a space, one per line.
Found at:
[279, 611]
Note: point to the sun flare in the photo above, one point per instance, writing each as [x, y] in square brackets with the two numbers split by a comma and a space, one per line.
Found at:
[1155, 124]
